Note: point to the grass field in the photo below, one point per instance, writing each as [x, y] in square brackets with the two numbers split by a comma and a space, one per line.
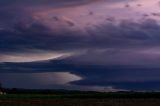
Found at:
[82, 102]
[80, 99]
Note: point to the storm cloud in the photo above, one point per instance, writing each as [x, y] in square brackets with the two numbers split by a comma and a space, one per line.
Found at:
[126, 34]
[87, 39]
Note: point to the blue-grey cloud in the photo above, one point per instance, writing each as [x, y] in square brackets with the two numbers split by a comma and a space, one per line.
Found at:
[23, 37]
[118, 76]
[42, 2]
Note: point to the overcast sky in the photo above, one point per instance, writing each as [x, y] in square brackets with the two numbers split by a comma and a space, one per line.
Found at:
[80, 44]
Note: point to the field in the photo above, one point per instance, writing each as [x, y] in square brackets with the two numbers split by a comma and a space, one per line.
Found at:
[80, 99]
[82, 102]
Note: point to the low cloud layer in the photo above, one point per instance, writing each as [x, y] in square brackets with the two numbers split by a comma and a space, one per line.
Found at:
[117, 76]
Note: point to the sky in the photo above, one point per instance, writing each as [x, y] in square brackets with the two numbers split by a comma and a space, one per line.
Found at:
[101, 45]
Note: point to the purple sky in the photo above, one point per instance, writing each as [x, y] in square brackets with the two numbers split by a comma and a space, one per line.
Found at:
[80, 44]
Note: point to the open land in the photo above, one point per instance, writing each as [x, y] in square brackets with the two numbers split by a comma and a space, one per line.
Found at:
[78, 98]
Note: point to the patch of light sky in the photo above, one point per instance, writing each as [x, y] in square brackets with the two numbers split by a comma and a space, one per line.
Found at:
[96, 13]
[29, 57]
[37, 80]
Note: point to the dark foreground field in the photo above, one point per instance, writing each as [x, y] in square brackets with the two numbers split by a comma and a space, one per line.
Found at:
[82, 102]
[80, 99]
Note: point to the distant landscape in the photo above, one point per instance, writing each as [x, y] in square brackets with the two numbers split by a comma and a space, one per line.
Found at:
[24, 97]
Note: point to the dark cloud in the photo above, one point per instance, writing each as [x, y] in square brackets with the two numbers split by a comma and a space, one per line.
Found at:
[9, 2]
[28, 36]
[34, 36]
[22, 9]
[118, 76]
[70, 23]
[51, 1]
[122, 77]
[116, 54]
[156, 14]
[130, 85]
